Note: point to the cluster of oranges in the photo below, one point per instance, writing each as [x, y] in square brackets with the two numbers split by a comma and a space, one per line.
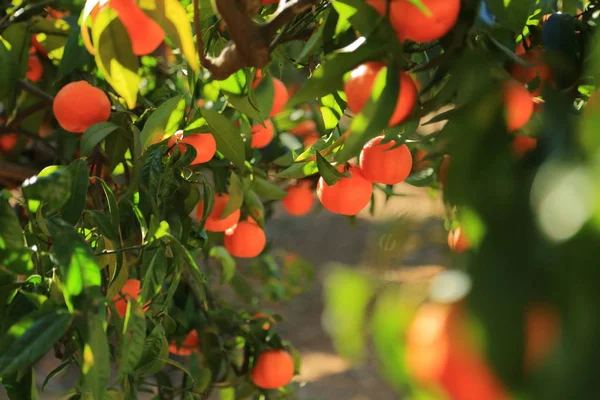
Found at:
[272, 369]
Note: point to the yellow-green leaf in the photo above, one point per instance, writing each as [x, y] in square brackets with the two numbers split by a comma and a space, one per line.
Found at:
[172, 17]
[114, 56]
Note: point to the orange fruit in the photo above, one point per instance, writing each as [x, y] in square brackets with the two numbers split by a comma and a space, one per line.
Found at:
[542, 328]
[204, 143]
[522, 145]
[359, 86]
[381, 164]
[131, 290]
[214, 222]
[247, 240]
[280, 97]
[35, 69]
[299, 200]
[518, 105]
[267, 325]
[145, 33]
[79, 105]
[440, 354]
[8, 142]
[443, 171]
[262, 135]
[189, 345]
[304, 128]
[348, 196]
[411, 23]
[525, 74]
[273, 369]
[458, 241]
[310, 139]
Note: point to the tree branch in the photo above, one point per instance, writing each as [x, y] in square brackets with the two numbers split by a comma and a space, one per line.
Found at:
[251, 43]
[28, 87]
[15, 172]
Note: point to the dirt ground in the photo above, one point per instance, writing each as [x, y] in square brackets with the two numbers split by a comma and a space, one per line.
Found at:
[404, 239]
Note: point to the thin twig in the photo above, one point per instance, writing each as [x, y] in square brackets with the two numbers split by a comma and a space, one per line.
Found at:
[15, 172]
[28, 87]
[122, 249]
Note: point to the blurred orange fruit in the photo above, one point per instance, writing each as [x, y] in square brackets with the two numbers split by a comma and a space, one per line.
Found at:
[273, 369]
[299, 199]
[381, 164]
[348, 196]
[247, 240]
[262, 135]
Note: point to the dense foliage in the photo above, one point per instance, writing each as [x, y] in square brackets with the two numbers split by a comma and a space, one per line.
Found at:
[145, 143]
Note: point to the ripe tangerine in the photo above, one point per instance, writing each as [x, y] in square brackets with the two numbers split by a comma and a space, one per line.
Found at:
[359, 86]
[348, 196]
[204, 143]
[273, 369]
[439, 353]
[310, 139]
[145, 33]
[525, 74]
[262, 135]
[443, 171]
[518, 105]
[299, 199]
[214, 222]
[8, 142]
[411, 23]
[189, 345]
[130, 290]
[280, 97]
[304, 128]
[79, 105]
[247, 240]
[381, 164]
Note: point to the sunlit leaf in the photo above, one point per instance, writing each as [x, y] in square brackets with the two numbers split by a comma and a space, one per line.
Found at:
[163, 122]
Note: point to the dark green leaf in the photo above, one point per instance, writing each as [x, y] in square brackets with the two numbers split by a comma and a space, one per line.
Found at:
[75, 54]
[113, 208]
[22, 386]
[30, 338]
[255, 207]
[96, 357]
[134, 336]
[9, 76]
[299, 170]
[267, 190]
[11, 234]
[72, 210]
[229, 141]
[156, 271]
[236, 195]
[188, 259]
[328, 172]
[55, 372]
[156, 348]
[242, 103]
[94, 135]
[17, 260]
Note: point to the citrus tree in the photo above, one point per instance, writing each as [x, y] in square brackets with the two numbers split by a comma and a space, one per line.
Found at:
[145, 143]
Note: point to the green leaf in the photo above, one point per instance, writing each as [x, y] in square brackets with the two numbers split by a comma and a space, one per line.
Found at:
[328, 172]
[18, 36]
[134, 336]
[96, 357]
[9, 76]
[180, 367]
[94, 135]
[313, 45]
[73, 209]
[332, 109]
[228, 264]
[156, 348]
[267, 190]
[77, 266]
[229, 141]
[236, 195]
[52, 186]
[75, 55]
[235, 84]
[188, 259]
[227, 394]
[17, 260]
[328, 77]
[11, 234]
[22, 386]
[264, 95]
[114, 57]
[55, 372]
[242, 103]
[172, 17]
[255, 207]
[30, 339]
[163, 122]
[376, 113]
[156, 270]
[113, 208]
[299, 170]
